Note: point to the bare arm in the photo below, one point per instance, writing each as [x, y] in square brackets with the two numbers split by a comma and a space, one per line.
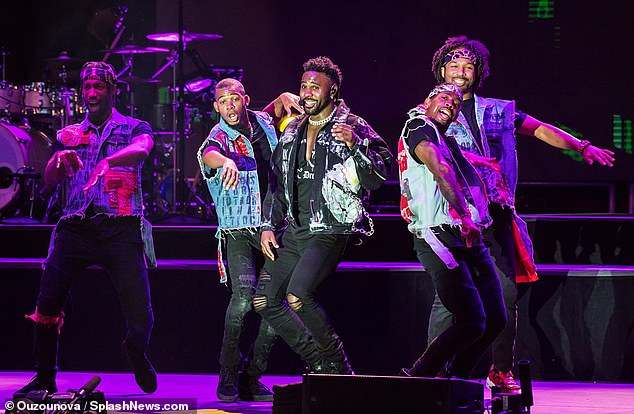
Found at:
[230, 174]
[64, 162]
[283, 105]
[429, 154]
[561, 139]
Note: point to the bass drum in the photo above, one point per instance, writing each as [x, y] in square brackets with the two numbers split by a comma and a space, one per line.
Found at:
[24, 153]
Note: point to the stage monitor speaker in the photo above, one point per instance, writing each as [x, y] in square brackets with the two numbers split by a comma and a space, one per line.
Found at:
[330, 394]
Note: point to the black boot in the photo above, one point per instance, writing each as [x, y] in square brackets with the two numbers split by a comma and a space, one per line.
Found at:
[251, 389]
[337, 365]
[36, 384]
[227, 390]
[45, 354]
[144, 373]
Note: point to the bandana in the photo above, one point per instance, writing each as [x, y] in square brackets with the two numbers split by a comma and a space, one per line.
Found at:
[98, 71]
[445, 87]
[460, 53]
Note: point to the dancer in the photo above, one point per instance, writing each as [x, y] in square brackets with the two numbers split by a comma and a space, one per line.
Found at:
[444, 203]
[99, 170]
[234, 160]
[325, 162]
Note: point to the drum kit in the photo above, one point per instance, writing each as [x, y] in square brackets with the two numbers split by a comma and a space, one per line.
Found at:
[31, 114]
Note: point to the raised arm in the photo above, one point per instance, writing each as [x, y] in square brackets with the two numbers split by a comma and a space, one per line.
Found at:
[561, 139]
[284, 104]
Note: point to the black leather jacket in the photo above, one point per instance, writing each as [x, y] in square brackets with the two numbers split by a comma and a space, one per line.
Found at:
[343, 176]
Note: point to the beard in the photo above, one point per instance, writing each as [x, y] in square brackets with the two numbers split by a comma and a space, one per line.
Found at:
[318, 107]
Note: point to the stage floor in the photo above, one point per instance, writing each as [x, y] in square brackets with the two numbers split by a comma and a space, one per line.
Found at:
[199, 390]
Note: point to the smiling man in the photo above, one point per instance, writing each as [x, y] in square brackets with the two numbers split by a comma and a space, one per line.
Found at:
[443, 201]
[326, 162]
[486, 130]
[99, 171]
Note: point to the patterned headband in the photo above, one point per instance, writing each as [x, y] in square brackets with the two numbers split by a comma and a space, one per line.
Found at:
[445, 87]
[459, 53]
[98, 71]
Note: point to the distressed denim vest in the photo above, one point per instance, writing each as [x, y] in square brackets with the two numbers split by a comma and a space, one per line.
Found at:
[238, 208]
[117, 193]
[496, 118]
[422, 204]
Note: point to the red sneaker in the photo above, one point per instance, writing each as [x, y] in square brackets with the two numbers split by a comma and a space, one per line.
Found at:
[502, 380]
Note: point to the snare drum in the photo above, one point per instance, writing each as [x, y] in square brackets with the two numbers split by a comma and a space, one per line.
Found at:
[38, 100]
[11, 99]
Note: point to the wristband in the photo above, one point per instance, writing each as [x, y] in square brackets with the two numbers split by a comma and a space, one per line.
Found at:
[583, 145]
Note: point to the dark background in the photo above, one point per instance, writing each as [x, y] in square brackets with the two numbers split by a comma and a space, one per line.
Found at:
[572, 69]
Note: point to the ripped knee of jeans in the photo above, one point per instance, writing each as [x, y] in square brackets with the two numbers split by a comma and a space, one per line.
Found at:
[259, 302]
[294, 302]
[47, 321]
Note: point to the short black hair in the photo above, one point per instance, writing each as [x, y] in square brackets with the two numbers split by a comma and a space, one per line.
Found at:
[324, 65]
[459, 42]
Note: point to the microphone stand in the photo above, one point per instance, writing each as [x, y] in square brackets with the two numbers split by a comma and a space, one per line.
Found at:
[179, 160]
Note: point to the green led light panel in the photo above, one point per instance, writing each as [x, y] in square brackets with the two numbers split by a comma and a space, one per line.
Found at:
[541, 9]
[622, 133]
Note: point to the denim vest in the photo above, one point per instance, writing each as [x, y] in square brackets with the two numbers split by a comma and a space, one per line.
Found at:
[119, 192]
[422, 204]
[240, 208]
[496, 118]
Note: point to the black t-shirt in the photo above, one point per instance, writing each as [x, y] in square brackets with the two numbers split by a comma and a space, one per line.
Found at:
[418, 131]
[468, 110]
[262, 152]
[304, 176]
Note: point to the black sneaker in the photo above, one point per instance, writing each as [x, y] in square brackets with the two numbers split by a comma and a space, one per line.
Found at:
[337, 367]
[35, 385]
[251, 389]
[144, 373]
[315, 368]
[227, 390]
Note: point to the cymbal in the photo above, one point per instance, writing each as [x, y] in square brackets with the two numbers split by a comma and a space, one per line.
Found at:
[187, 37]
[63, 58]
[135, 80]
[132, 49]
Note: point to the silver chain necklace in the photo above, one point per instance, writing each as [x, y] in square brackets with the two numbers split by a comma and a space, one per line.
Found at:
[322, 121]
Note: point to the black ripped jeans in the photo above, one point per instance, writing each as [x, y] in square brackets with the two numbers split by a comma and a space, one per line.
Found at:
[301, 266]
[244, 261]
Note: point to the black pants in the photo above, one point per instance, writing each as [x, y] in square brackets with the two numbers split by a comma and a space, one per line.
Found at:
[301, 266]
[499, 239]
[244, 261]
[472, 293]
[112, 242]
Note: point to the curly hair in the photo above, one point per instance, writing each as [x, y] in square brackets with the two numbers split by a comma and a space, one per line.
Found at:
[324, 65]
[475, 46]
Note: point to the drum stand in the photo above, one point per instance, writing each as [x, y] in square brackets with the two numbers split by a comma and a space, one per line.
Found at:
[181, 194]
[66, 96]
[26, 182]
